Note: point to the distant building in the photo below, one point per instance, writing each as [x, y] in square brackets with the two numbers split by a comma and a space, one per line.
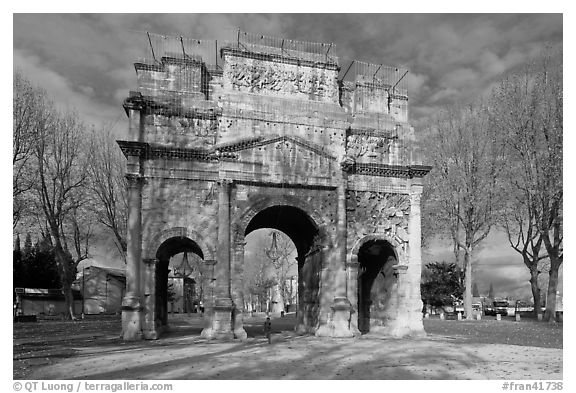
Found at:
[102, 289]
[42, 301]
[185, 298]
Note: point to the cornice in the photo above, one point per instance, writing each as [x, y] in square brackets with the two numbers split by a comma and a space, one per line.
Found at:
[151, 106]
[385, 170]
[146, 151]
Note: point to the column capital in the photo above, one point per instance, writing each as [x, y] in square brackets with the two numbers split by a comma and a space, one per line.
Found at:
[150, 261]
[225, 182]
[210, 262]
[416, 189]
[134, 179]
[347, 164]
[400, 269]
[415, 196]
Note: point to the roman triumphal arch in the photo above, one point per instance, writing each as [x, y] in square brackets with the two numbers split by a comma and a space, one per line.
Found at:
[225, 138]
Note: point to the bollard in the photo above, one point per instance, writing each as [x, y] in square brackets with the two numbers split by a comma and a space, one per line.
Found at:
[539, 317]
[478, 317]
[459, 316]
[498, 317]
[517, 317]
[441, 315]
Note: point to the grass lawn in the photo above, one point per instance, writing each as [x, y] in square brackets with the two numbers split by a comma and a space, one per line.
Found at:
[527, 332]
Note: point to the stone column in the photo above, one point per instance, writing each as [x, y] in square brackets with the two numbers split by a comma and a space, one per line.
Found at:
[222, 324]
[149, 327]
[397, 325]
[237, 289]
[340, 325]
[414, 299]
[132, 302]
[352, 292]
[300, 327]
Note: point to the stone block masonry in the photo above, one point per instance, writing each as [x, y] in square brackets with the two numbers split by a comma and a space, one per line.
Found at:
[272, 139]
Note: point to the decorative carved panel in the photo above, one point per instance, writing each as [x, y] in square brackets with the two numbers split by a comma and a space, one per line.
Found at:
[283, 80]
[372, 148]
[375, 212]
[181, 131]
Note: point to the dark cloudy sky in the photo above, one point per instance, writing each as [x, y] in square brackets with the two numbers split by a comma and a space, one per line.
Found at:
[85, 62]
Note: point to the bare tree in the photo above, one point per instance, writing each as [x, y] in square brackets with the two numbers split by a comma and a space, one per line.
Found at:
[529, 112]
[107, 186]
[466, 159]
[257, 282]
[61, 168]
[519, 222]
[281, 256]
[29, 109]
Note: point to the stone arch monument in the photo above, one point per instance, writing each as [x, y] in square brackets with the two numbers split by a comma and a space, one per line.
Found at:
[274, 137]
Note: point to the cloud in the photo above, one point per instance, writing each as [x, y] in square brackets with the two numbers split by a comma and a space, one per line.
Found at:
[86, 61]
[66, 96]
[450, 57]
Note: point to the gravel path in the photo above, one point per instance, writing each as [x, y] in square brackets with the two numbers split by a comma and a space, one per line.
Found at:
[181, 355]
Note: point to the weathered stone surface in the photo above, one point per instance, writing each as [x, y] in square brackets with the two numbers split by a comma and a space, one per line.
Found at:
[273, 141]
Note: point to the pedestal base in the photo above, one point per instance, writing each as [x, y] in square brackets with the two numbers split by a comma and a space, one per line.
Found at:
[131, 318]
[221, 323]
[340, 324]
[403, 327]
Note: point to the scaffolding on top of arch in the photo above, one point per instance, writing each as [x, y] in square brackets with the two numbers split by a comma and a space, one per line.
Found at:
[177, 74]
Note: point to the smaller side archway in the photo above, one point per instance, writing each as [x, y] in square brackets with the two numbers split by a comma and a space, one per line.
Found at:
[160, 249]
[168, 249]
[178, 232]
[376, 258]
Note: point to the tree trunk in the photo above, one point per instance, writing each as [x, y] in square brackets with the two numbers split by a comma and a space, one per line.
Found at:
[550, 314]
[468, 283]
[64, 262]
[535, 290]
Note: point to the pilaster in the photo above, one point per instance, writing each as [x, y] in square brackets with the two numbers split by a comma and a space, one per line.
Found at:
[132, 302]
[149, 328]
[221, 326]
[414, 299]
[340, 324]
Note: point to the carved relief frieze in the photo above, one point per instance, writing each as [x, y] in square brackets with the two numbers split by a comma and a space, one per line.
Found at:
[376, 212]
[182, 131]
[280, 79]
[369, 147]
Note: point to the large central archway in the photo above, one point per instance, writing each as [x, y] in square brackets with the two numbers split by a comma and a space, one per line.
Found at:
[307, 237]
[291, 220]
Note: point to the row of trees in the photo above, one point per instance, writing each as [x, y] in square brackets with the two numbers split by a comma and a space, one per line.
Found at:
[68, 185]
[270, 270]
[498, 164]
[34, 266]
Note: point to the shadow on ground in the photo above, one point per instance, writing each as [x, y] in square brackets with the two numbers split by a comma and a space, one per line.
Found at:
[96, 353]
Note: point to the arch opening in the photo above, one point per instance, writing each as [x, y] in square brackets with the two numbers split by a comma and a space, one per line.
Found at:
[377, 284]
[294, 222]
[178, 278]
[270, 273]
[304, 233]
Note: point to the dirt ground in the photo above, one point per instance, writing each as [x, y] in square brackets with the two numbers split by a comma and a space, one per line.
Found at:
[92, 349]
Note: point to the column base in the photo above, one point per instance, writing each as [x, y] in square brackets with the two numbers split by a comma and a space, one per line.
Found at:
[131, 318]
[220, 325]
[399, 328]
[340, 325]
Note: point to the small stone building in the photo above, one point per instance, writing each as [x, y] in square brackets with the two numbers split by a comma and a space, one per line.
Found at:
[279, 134]
[102, 289]
[43, 302]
